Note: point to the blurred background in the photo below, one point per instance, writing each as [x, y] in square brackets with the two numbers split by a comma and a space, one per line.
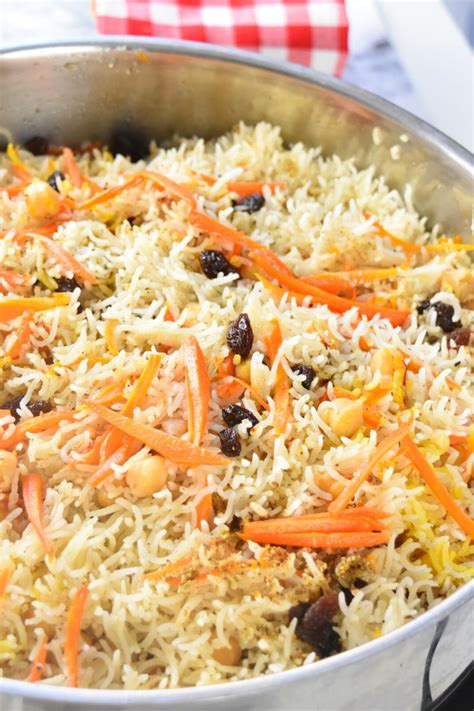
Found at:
[416, 53]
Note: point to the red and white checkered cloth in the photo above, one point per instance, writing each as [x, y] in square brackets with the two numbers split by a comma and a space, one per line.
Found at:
[309, 32]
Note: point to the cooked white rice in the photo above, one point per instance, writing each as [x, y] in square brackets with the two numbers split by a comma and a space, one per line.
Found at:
[142, 634]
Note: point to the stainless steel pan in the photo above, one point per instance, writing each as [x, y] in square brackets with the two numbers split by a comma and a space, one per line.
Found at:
[76, 92]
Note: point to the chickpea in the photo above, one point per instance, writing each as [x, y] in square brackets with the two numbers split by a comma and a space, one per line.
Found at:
[344, 416]
[242, 370]
[7, 469]
[147, 476]
[228, 656]
[104, 497]
[42, 201]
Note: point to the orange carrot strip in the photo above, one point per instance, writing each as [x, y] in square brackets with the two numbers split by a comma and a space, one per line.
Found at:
[278, 292]
[335, 303]
[173, 448]
[387, 443]
[121, 455]
[21, 337]
[14, 190]
[203, 509]
[253, 392]
[364, 276]
[109, 330]
[170, 568]
[333, 283]
[428, 474]
[12, 279]
[230, 388]
[18, 167]
[66, 261]
[226, 366]
[110, 193]
[36, 424]
[14, 307]
[175, 189]
[320, 540]
[231, 236]
[198, 389]
[414, 366]
[73, 631]
[135, 399]
[396, 241]
[33, 493]
[281, 393]
[37, 667]
[93, 455]
[5, 576]
[71, 168]
[306, 524]
[243, 189]
[371, 418]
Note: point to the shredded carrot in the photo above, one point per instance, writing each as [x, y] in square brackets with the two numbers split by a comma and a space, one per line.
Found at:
[366, 276]
[109, 335]
[203, 509]
[14, 307]
[122, 454]
[36, 424]
[449, 246]
[281, 393]
[71, 168]
[21, 336]
[386, 444]
[5, 576]
[226, 366]
[315, 524]
[396, 241]
[93, 456]
[33, 493]
[364, 344]
[110, 193]
[173, 448]
[14, 190]
[428, 474]
[414, 366]
[232, 237]
[175, 189]
[335, 303]
[65, 260]
[12, 279]
[332, 283]
[19, 168]
[73, 631]
[320, 540]
[170, 568]
[372, 418]
[258, 399]
[198, 389]
[230, 388]
[135, 399]
[243, 189]
[37, 667]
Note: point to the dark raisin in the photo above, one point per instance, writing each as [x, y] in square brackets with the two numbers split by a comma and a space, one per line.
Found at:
[250, 203]
[37, 145]
[214, 263]
[36, 407]
[444, 317]
[316, 628]
[131, 145]
[230, 442]
[235, 524]
[460, 336]
[235, 414]
[421, 308]
[240, 336]
[66, 284]
[299, 611]
[308, 372]
[54, 179]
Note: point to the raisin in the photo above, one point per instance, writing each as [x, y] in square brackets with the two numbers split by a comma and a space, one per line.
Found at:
[299, 611]
[240, 336]
[315, 624]
[66, 284]
[250, 203]
[54, 179]
[235, 414]
[308, 372]
[444, 317]
[130, 144]
[230, 442]
[38, 145]
[36, 407]
[214, 263]
[460, 336]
